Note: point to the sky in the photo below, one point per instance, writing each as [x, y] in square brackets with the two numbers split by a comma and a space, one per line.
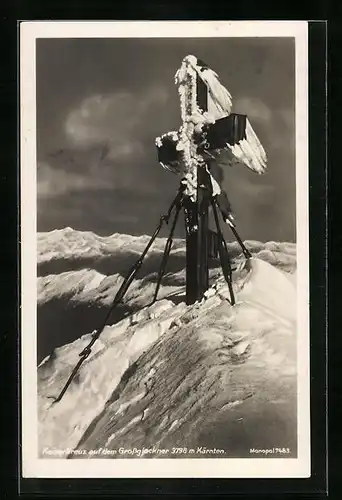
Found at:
[102, 102]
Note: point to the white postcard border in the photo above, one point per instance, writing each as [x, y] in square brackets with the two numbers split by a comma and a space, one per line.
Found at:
[32, 466]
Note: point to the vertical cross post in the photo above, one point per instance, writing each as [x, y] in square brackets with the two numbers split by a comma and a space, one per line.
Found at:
[197, 244]
[191, 270]
[203, 201]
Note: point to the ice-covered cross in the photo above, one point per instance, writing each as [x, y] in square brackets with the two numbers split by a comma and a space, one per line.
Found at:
[208, 126]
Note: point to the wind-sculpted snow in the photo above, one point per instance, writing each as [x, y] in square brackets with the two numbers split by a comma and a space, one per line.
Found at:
[118, 348]
[168, 375]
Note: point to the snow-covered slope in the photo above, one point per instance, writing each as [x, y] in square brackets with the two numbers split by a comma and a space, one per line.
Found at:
[169, 375]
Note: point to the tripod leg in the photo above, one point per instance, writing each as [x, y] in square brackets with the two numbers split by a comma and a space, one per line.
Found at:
[245, 251]
[119, 295]
[224, 256]
[166, 254]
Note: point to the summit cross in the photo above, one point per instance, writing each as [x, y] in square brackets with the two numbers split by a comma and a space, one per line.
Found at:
[208, 127]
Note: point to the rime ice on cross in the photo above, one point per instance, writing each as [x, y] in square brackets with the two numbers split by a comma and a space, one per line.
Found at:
[208, 126]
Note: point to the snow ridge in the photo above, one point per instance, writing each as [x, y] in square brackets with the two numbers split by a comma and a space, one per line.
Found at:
[167, 373]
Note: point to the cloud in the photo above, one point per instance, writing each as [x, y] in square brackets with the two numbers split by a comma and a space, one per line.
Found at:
[100, 118]
[285, 125]
[53, 182]
[114, 119]
[125, 149]
[255, 108]
[245, 188]
[105, 141]
[288, 116]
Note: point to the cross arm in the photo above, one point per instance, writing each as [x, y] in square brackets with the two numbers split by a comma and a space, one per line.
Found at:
[168, 155]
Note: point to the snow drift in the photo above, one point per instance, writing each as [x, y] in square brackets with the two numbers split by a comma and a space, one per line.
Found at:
[168, 375]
